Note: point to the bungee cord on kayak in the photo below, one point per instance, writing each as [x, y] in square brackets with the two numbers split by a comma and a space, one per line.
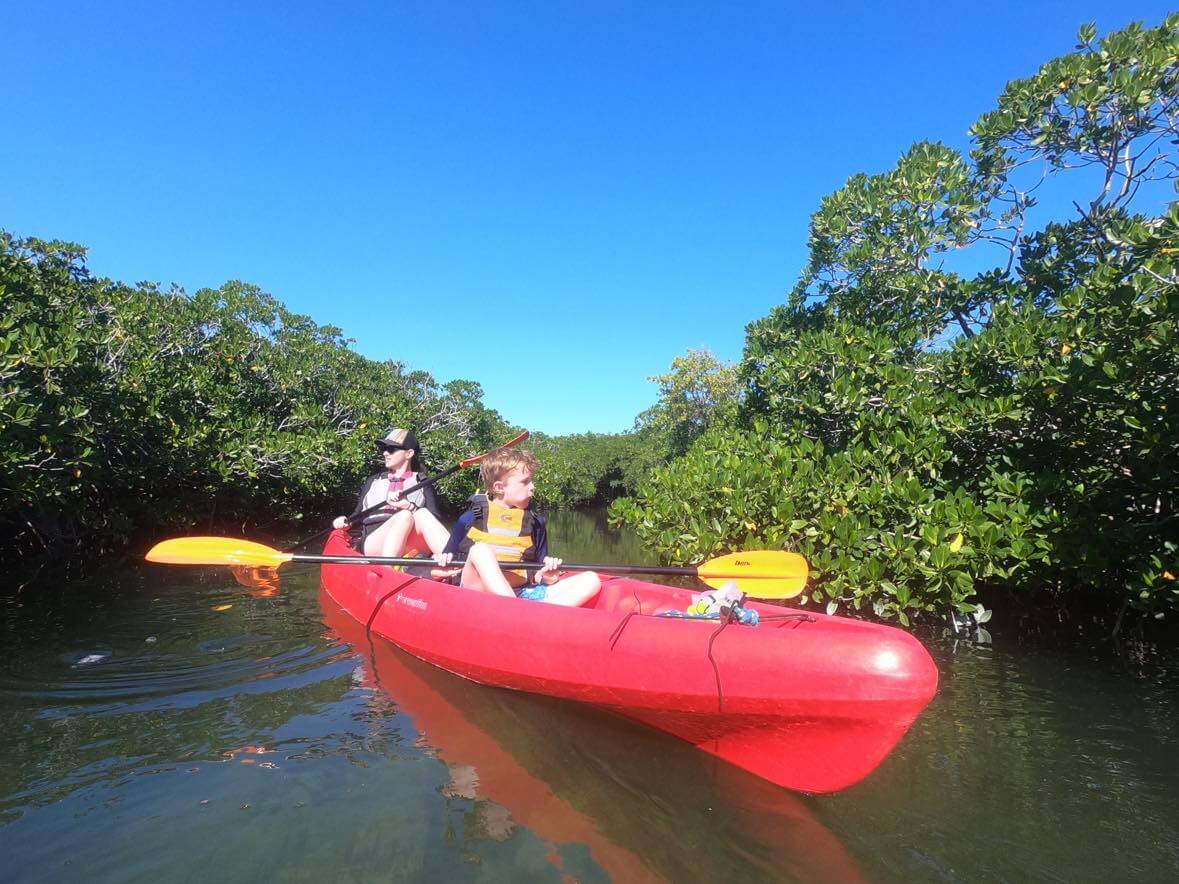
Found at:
[728, 616]
[638, 609]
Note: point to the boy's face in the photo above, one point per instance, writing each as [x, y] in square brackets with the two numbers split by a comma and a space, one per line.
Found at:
[515, 489]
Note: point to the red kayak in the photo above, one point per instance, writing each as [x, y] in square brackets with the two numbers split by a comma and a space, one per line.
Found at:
[809, 702]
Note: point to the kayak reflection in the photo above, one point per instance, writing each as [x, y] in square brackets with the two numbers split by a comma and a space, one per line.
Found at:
[647, 806]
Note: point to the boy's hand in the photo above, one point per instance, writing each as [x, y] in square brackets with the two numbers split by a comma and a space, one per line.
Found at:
[444, 571]
[551, 572]
[339, 522]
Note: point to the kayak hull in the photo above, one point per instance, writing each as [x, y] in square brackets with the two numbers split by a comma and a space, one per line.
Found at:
[806, 701]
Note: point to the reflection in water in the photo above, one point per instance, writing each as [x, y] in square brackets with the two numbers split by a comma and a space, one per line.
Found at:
[585, 536]
[248, 744]
[647, 806]
[263, 582]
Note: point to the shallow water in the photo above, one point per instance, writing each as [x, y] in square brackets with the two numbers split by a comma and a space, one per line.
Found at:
[147, 732]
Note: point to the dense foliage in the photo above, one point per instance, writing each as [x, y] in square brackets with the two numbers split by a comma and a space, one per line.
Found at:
[920, 428]
[581, 469]
[918, 432]
[128, 409]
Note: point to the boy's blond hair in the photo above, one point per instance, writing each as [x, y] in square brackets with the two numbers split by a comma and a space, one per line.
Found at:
[501, 462]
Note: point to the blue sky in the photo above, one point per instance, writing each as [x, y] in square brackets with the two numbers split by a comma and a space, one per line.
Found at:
[554, 199]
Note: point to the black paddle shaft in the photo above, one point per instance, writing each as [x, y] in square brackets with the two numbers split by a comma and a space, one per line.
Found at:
[511, 566]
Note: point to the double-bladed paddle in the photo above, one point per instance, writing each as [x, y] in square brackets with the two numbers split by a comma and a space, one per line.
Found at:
[763, 574]
[430, 480]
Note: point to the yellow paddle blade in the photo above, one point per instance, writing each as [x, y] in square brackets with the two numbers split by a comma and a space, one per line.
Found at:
[761, 573]
[215, 551]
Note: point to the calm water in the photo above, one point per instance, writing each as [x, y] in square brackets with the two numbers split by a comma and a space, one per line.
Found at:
[149, 732]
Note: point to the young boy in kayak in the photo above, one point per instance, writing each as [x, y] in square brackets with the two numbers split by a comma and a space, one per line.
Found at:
[504, 528]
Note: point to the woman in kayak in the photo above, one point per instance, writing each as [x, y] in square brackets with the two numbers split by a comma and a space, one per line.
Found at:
[405, 525]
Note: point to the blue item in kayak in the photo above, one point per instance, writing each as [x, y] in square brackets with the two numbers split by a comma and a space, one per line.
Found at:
[741, 615]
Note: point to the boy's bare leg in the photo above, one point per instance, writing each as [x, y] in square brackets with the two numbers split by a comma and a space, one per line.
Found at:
[482, 572]
[573, 591]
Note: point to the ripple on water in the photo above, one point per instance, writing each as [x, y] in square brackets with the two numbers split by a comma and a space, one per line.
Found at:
[147, 682]
[1022, 768]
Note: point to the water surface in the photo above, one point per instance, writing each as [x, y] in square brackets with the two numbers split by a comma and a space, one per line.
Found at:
[149, 731]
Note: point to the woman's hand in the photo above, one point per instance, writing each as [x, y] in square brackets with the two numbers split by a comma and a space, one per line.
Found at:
[444, 559]
[396, 502]
[551, 572]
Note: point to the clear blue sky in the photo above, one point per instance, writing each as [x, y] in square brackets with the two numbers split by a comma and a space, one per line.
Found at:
[554, 199]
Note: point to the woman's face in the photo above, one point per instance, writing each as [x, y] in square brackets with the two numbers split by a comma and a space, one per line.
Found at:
[397, 459]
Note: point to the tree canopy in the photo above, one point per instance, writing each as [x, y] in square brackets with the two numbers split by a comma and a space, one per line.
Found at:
[919, 433]
[918, 430]
[132, 408]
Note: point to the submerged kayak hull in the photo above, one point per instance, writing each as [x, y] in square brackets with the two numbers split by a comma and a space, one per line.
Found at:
[809, 702]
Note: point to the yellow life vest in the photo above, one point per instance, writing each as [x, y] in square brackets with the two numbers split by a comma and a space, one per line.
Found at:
[507, 530]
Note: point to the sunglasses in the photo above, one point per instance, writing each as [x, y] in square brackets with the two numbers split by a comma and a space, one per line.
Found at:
[391, 446]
